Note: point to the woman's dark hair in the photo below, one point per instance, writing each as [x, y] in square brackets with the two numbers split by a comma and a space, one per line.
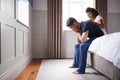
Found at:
[71, 21]
[92, 10]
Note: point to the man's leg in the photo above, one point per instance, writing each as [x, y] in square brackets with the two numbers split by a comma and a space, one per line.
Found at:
[83, 56]
[76, 55]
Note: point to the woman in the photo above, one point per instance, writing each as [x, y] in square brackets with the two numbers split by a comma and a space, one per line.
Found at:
[94, 16]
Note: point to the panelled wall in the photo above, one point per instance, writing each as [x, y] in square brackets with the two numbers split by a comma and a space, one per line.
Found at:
[15, 41]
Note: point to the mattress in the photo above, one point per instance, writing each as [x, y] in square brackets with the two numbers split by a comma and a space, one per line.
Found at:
[108, 47]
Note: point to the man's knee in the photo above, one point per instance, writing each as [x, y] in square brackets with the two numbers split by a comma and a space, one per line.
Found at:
[77, 45]
[82, 45]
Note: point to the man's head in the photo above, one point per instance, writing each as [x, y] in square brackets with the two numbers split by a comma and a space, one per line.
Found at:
[73, 24]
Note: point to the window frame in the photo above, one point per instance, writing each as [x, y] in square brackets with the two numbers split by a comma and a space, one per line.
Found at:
[17, 13]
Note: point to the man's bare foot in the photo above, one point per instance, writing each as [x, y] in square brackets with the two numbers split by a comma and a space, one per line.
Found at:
[72, 67]
[75, 72]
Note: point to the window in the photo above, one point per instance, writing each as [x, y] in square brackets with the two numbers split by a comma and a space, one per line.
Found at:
[76, 9]
[23, 12]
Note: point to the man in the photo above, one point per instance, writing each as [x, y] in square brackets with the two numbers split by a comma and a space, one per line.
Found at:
[86, 32]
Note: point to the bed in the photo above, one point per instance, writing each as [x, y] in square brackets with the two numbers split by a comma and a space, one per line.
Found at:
[104, 55]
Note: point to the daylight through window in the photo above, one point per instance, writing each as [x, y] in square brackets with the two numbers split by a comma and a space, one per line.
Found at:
[76, 9]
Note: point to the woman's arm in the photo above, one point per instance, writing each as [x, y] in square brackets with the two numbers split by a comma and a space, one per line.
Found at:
[99, 20]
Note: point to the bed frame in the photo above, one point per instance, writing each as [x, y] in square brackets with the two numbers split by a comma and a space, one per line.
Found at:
[103, 66]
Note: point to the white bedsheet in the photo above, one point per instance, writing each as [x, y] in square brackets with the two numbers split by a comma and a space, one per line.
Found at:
[108, 46]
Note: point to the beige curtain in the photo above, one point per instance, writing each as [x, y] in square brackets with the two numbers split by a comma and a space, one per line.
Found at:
[101, 6]
[54, 28]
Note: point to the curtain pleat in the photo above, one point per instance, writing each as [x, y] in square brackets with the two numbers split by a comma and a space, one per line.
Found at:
[101, 6]
[54, 28]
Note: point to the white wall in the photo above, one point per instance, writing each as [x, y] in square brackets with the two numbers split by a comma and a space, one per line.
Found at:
[69, 40]
[40, 5]
[15, 42]
[113, 6]
[113, 16]
[40, 28]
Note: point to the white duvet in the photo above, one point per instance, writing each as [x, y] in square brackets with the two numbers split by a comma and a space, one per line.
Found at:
[108, 46]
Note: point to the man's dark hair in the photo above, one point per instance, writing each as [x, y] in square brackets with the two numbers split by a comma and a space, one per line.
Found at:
[71, 21]
[92, 10]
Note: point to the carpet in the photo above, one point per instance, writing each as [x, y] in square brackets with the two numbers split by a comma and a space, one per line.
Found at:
[55, 69]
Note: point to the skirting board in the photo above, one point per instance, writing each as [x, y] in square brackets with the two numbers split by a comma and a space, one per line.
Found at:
[13, 72]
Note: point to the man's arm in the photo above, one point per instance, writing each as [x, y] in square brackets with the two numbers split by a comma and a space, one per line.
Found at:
[77, 38]
[83, 37]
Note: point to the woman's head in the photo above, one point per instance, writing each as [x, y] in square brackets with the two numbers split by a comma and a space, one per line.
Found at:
[92, 13]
